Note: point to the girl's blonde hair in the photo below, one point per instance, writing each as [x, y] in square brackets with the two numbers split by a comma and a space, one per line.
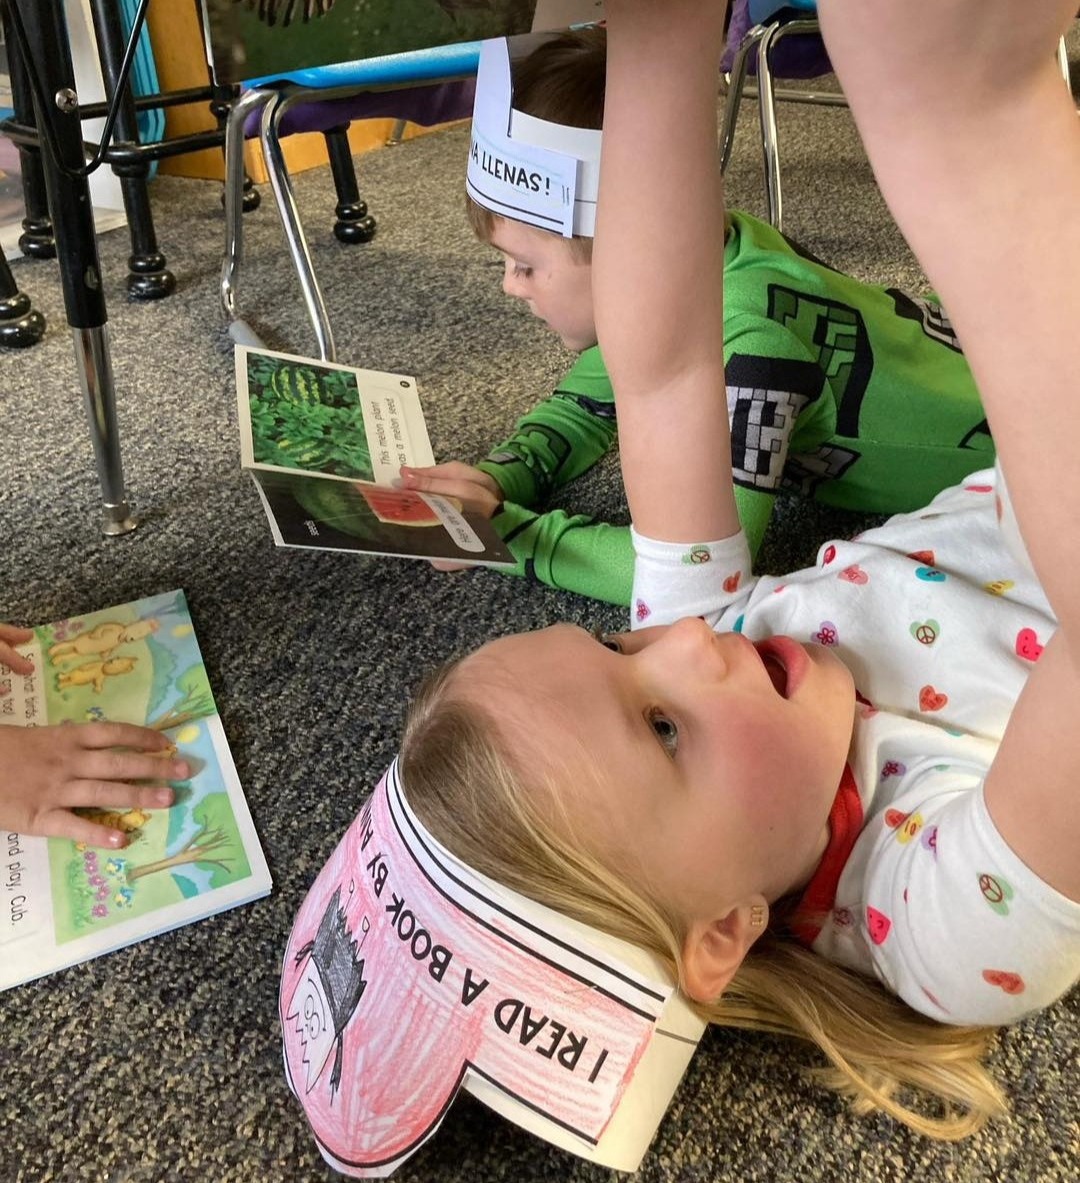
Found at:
[461, 780]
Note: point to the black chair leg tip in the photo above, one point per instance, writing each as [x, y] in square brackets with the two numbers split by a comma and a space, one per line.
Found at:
[151, 287]
[146, 264]
[249, 202]
[38, 245]
[354, 232]
[350, 211]
[22, 332]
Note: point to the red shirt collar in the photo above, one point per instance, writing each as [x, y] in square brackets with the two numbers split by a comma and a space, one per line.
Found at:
[845, 823]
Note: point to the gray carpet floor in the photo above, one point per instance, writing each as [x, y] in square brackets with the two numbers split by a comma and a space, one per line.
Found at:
[162, 1063]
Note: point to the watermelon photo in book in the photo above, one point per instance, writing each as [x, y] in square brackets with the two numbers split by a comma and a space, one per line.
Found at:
[324, 514]
[297, 414]
[325, 443]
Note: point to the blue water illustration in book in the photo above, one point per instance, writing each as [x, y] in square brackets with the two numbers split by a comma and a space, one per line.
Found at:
[140, 663]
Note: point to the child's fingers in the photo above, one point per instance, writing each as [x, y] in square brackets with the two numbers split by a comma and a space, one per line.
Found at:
[122, 735]
[110, 794]
[452, 470]
[59, 823]
[119, 765]
[15, 661]
[15, 635]
[474, 495]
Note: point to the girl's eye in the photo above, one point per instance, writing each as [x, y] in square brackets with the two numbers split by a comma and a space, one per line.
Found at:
[521, 271]
[665, 731]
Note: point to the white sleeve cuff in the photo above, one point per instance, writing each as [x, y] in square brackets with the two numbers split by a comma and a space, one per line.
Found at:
[677, 579]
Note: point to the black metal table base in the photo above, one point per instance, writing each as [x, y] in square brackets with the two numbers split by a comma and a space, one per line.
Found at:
[69, 203]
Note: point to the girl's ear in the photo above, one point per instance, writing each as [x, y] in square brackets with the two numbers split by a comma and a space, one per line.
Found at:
[714, 949]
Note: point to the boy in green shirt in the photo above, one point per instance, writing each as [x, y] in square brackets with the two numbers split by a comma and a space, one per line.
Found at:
[851, 393]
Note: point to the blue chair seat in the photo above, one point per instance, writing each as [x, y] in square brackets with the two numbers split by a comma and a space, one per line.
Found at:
[390, 70]
[763, 10]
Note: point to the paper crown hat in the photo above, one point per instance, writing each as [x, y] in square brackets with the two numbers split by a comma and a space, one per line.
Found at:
[525, 168]
[408, 975]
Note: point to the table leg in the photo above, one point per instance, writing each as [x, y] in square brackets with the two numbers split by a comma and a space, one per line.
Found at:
[76, 246]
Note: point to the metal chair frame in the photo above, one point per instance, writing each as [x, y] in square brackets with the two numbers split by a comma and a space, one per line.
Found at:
[765, 37]
[274, 99]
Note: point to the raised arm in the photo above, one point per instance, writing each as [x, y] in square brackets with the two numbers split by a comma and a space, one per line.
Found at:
[658, 266]
[975, 142]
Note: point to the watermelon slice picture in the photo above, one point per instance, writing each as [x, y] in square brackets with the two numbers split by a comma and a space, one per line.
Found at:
[400, 507]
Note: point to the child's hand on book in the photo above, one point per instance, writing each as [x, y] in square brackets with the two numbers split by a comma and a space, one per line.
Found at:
[10, 636]
[475, 489]
[49, 772]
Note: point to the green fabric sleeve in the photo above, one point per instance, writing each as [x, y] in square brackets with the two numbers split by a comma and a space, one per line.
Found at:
[569, 551]
[560, 438]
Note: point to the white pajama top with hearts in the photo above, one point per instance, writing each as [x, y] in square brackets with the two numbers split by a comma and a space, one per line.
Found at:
[939, 624]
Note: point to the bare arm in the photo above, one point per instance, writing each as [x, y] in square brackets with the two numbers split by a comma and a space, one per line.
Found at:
[658, 266]
[975, 142]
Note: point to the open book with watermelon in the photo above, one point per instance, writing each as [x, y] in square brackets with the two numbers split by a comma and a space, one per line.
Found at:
[324, 442]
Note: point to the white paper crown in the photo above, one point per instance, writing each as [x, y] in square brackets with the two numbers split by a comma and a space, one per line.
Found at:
[408, 975]
[525, 168]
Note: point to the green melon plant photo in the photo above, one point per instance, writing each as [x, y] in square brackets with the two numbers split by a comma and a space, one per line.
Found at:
[303, 417]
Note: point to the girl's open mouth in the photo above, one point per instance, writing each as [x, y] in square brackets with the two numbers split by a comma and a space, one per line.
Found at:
[785, 662]
[777, 674]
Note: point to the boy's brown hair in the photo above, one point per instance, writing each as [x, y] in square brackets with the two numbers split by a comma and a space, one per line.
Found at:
[561, 81]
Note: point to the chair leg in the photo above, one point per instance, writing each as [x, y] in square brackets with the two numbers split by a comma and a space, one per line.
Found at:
[249, 101]
[269, 135]
[80, 268]
[220, 106]
[20, 325]
[397, 133]
[767, 110]
[736, 85]
[148, 276]
[36, 240]
[354, 223]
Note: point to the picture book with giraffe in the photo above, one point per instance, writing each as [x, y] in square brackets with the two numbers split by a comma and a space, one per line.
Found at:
[64, 902]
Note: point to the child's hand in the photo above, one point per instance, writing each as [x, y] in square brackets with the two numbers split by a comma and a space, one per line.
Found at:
[10, 636]
[50, 771]
[471, 486]
[476, 489]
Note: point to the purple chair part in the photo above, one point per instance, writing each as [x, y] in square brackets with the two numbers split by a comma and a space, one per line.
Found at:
[793, 57]
[426, 105]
